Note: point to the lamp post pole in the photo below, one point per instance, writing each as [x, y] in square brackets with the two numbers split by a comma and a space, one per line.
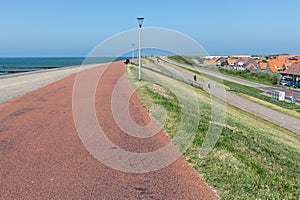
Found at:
[132, 53]
[140, 21]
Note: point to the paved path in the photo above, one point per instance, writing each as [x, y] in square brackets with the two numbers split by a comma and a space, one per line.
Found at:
[42, 156]
[14, 85]
[290, 123]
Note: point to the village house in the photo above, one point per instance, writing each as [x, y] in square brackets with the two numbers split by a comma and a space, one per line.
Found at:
[252, 66]
[274, 66]
[263, 66]
[211, 62]
[289, 62]
[232, 62]
[292, 73]
[222, 61]
[241, 63]
[258, 61]
[246, 63]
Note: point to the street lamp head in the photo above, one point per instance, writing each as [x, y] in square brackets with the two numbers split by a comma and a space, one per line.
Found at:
[140, 21]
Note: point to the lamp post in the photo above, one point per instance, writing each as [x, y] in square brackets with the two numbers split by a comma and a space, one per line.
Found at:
[140, 22]
[132, 53]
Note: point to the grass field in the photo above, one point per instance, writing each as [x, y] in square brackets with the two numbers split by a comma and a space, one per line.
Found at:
[252, 159]
[257, 77]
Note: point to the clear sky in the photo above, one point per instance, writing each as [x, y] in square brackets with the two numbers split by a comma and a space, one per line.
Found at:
[74, 28]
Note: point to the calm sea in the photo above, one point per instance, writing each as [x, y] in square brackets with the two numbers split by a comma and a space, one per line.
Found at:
[14, 65]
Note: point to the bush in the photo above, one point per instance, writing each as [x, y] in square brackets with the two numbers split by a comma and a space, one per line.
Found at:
[273, 79]
[262, 77]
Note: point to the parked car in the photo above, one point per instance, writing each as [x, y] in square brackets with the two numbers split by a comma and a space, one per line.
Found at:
[287, 83]
[296, 85]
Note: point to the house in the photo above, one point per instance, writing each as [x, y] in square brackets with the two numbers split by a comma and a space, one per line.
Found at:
[211, 62]
[274, 66]
[241, 63]
[231, 62]
[292, 72]
[263, 66]
[258, 61]
[289, 62]
[222, 61]
[252, 66]
[282, 58]
[246, 63]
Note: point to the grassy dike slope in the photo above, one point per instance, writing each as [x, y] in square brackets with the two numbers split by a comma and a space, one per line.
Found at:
[253, 159]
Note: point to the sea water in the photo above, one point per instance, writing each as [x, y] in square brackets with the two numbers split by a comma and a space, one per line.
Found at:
[14, 65]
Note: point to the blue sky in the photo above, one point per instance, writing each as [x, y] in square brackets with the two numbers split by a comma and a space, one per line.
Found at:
[74, 28]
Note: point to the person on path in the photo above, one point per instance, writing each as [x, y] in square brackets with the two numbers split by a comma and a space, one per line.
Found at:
[195, 77]
[208, 84]
[291, 97]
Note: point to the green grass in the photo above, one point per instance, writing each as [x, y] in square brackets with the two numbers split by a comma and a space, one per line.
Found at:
[182, 59]
[262, 77]
[253, 159]
[242, 88]
[257, 77]
[154, 94]
[150, 62]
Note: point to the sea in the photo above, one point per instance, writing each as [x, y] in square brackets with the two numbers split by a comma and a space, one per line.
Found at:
[17, 65]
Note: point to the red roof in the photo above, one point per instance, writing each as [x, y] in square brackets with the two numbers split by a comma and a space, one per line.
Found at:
[275, 65]
[294, 69]
[210, 62]
[263, 65]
